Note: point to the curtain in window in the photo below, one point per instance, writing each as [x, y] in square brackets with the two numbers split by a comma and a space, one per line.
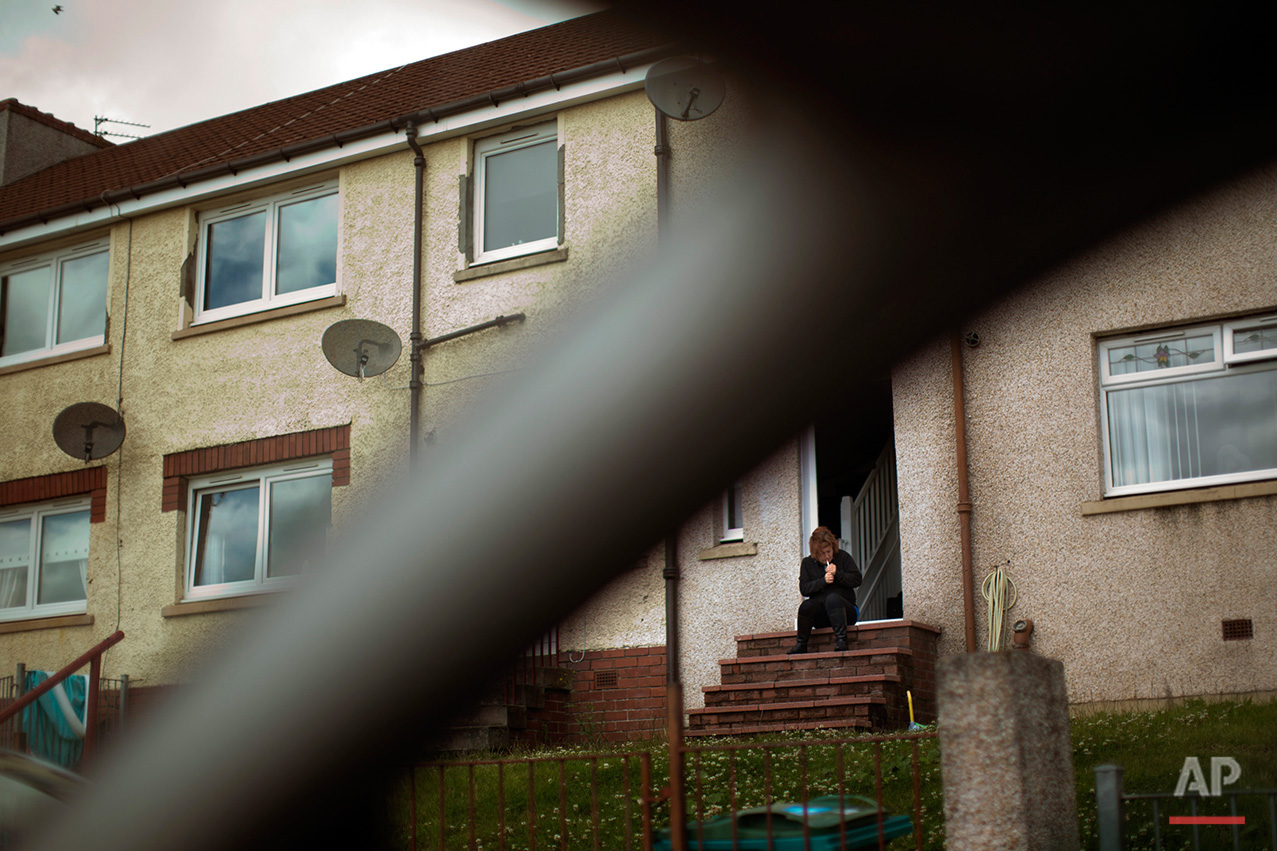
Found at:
[64, 558]
[15, 562]
[13, 587]
[1221, 425]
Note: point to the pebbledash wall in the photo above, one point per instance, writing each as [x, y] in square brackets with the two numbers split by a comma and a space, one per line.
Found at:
[255, 390]
[190, 392]
[1130, 592]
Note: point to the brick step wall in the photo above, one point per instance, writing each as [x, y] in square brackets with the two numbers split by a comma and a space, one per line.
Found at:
[765, 690]
[505, 714]
[805, 666]
[863, 712]
[910, 634]
[798, 690]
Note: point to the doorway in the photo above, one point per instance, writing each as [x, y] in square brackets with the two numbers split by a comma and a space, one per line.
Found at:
[849, 485]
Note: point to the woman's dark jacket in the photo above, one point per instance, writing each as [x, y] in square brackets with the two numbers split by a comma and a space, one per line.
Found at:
[811, 577]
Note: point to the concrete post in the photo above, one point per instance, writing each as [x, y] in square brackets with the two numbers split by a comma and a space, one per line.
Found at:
[1005, 753]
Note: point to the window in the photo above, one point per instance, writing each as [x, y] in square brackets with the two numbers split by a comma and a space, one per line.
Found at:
[53, 303]
[268, 253]
[733, 515]
[516, 196]
[1190, 407]
[44, 559]
[257, 530]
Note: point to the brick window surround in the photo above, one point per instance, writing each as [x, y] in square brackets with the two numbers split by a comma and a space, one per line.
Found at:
[91, 480]
[179, 466]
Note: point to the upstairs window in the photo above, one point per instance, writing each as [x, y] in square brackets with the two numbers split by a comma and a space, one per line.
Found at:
[44, 559]
[516, 195]
[257, 530]
[268, 253]
[733, 519]
[53, 303]
[1190, 407]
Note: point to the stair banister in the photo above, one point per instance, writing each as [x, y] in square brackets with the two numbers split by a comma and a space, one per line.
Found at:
[93, 656]
[870, 519]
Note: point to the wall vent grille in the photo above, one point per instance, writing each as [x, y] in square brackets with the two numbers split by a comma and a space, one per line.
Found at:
[1238, 630]
[605, 679]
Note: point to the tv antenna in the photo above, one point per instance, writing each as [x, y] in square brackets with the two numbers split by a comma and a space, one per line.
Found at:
[99, 120]
[88, 430]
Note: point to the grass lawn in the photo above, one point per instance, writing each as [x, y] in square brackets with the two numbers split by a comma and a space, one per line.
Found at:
[589, 797]
[1151, 748]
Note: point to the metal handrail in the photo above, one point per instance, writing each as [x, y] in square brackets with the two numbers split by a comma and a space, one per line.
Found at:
[93, 658]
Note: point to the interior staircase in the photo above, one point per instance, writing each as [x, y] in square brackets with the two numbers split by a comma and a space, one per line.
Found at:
[765, 690]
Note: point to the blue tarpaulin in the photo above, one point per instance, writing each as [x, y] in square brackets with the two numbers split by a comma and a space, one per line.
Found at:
[50, 734]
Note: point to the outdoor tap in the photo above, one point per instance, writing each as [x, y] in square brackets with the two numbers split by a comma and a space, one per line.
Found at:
[1021, 631]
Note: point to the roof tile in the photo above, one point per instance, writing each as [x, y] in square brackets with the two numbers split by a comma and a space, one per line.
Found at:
[313, 115]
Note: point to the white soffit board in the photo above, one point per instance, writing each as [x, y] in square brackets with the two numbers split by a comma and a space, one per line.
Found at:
[510, 110]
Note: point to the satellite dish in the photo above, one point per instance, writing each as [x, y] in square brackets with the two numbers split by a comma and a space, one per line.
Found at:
[361, 347]
[88, 430]
[684, 88]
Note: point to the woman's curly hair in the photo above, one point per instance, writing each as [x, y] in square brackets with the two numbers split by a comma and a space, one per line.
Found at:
[822, 535]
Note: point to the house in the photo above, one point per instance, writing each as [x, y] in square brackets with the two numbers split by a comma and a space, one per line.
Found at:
[1121, 428]
[188, 280]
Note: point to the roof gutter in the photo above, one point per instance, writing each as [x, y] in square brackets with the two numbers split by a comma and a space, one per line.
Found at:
[397, 124]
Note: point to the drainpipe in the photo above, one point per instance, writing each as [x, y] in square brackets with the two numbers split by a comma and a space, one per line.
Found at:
[414, 345]
[674, 697]
[673, 679]
[964, 496]
[662, 152]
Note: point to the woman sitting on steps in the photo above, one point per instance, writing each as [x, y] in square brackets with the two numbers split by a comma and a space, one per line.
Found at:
[828, 579]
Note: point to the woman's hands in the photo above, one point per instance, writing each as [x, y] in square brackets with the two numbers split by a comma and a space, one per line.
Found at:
[830, 571]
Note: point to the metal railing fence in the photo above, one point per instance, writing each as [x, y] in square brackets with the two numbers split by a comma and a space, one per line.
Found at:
[587, 800]
[106, 701]
[890, 769]
[609, 800]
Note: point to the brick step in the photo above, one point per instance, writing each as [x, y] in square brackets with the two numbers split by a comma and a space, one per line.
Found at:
[911, 634]
[864, 710]
[471, 738]
[777, 727]
[799, 690]
[891, 661]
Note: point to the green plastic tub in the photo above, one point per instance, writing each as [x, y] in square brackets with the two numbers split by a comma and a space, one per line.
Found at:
[825, 819]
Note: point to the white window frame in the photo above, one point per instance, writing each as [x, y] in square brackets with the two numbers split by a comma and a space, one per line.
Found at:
[262, 478]
[1267, 323]
[271, 206]
[1225, 361]
[55, 260]
[732, 531]
[521, 137]
[34, 513]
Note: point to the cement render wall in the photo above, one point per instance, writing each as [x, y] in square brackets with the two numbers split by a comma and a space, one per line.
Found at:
[269, 378]
[1130, 601]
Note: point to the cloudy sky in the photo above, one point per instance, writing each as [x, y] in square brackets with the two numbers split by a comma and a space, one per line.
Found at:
[168, 63]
